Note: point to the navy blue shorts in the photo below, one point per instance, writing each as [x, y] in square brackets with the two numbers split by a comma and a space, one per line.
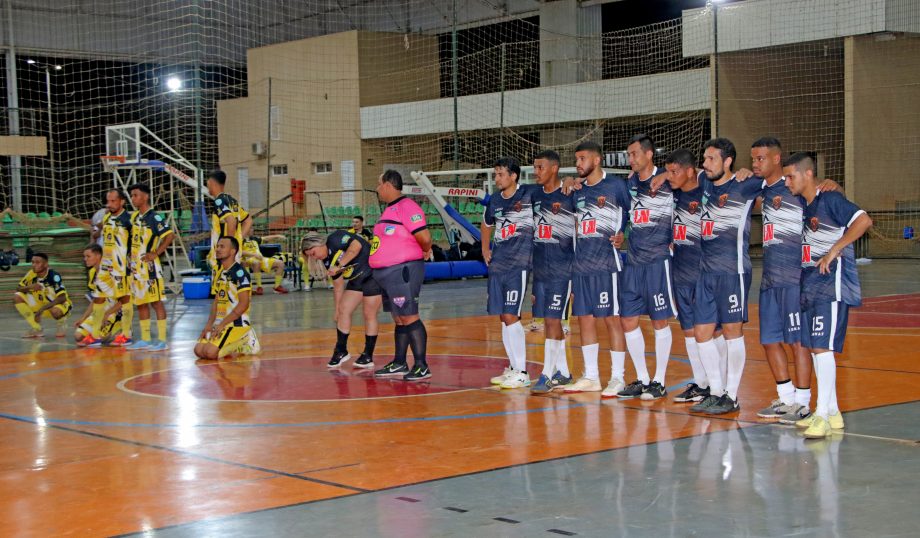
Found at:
[646, 289]
[685, 296]
[551, 298]
[401, 285]
[596, 295]
[825, 326]
[780, 318]
[721, 299]
[506, 292]
[365, 284]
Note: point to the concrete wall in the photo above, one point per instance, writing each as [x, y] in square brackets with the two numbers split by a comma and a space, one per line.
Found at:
[794, 93]
[883, 119]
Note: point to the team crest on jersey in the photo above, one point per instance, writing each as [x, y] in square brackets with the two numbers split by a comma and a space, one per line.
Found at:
[239, 273]
[777, 202]
[518, 206]
[218, 201]
[389, 230]
[813, 224]
[693, 207]
[723, 199]
[556, 208]
[601, 201]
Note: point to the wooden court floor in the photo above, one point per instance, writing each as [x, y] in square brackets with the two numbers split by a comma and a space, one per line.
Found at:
[105, 442]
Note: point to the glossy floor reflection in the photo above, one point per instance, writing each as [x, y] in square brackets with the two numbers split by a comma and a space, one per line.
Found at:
[105, 442]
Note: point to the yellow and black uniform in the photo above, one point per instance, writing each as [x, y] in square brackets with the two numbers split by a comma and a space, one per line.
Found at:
[52, 288]
[365, 233]
[94, 286]
[283, 257]
[112, 276]
[251, 249]
[225, 207]
[227, 287]
[147, 232]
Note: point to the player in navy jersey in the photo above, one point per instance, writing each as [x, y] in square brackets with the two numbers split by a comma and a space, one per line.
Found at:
[646, 281]
[553, 252]
[601, 207]
[830, 283]
[684, 180]
[509, 220]
[779, 306]
[725, 273]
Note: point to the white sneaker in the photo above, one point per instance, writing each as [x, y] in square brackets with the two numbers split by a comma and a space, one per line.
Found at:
[615, 386]
[536, 326]
[584, 385]
[499, 379]
[516, 380]
[255, 347]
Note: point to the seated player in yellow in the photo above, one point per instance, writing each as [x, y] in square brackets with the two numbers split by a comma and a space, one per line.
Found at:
[92, 330]
[254, 260]
[150, 237]
[41, 293]
[228, 331]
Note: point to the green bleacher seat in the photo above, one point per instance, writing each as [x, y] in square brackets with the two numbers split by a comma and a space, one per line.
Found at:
[57, 214]
[44, 215]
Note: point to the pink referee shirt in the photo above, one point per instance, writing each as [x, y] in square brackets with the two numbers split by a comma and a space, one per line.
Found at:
[393, 241]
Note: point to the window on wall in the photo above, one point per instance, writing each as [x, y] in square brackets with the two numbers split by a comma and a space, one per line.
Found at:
[322, 168]
[279, 170]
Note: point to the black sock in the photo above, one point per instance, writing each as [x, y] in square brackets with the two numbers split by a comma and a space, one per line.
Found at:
[341, 341]
[402, 344]
[370, 342]
[418, 339]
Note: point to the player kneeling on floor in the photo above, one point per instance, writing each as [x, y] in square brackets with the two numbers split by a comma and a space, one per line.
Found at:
[228, 330]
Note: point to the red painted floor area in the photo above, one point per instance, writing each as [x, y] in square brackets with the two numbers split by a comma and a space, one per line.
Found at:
[888, 311]
[308, 379]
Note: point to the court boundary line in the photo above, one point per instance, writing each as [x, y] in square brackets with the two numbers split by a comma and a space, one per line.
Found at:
[740, 427]
[188, 454]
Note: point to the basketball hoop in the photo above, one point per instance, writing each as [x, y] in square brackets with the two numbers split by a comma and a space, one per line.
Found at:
[111, 161]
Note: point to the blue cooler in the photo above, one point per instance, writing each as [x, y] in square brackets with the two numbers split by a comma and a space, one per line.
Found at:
[196, 287]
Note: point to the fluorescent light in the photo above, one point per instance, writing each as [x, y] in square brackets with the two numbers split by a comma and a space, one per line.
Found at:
[58, 67]
[30, 61]
[174, 84]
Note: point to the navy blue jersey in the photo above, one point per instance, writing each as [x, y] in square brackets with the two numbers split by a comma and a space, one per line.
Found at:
[687, 244]
[649, 220]
[554, 234]
[826, 219]
[782, 236]
[600, 212]
[725, 225]
[512, 219]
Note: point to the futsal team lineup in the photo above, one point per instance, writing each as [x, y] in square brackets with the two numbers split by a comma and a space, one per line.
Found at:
[596, 256]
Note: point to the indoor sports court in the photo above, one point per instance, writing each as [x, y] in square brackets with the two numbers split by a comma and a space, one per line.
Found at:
[183, 183]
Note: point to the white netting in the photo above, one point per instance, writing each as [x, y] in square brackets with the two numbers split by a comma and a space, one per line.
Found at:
[376, 88]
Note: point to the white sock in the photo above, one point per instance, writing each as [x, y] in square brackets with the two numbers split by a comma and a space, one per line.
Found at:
[832, 407]
[693, 352]
[549, 357]
[709, 355]
[506, 341]
[826, 372]
[723, 352]
[786, 392]
[803, 396]
[590, 355]
[635, 343]
[618, 365]
[736, 357]
[560, 361]
[663, 341]
[518, 345]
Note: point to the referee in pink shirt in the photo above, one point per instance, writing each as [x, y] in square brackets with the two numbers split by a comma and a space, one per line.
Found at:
[400, 245]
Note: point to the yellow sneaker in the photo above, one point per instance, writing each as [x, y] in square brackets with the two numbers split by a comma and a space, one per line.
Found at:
[836, 421]
[819, 429]
[499, 379]
[805, 422]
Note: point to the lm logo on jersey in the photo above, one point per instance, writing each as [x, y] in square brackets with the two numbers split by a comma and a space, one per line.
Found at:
[769, 235]
[806, 256]
[507, 230]
[544, 232]
[707, 227]
[587, 226]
